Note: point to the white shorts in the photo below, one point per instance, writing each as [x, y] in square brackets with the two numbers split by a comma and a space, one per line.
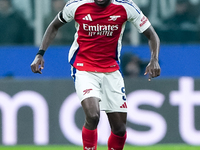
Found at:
[108, 87]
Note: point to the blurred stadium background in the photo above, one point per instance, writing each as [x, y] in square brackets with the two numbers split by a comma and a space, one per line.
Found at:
[43, 110]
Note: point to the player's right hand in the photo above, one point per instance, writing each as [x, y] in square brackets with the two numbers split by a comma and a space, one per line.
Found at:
[38, 64]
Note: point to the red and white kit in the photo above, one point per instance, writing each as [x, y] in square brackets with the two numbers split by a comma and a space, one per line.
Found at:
[96, 49]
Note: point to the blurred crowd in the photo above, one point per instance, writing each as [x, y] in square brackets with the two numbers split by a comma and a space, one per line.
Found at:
[176, 21]
[14, 29]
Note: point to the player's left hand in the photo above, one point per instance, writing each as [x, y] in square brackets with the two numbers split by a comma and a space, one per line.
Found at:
[153, 69]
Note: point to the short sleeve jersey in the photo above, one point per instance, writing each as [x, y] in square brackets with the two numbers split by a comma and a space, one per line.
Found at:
[97, 42]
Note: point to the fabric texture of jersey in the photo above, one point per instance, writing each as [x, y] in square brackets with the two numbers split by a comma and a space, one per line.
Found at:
[108, 87]
[97, 43]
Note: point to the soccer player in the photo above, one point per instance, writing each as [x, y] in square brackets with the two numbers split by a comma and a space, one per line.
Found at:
[94, 57]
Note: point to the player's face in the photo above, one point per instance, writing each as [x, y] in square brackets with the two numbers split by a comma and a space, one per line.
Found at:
[102, 3]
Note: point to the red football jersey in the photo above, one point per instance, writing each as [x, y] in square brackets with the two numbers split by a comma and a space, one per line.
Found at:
[97, 43]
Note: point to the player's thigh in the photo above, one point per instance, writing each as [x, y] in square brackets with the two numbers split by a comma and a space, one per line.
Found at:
[87, 85]
[91, 107]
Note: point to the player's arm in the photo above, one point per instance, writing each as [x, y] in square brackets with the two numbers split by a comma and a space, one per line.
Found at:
[50, 33]
[153, 68]
[142, 24]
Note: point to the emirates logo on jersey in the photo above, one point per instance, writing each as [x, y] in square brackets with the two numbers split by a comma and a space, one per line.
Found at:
[98, 29]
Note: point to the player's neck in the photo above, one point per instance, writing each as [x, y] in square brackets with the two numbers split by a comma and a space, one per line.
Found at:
[102, 4]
